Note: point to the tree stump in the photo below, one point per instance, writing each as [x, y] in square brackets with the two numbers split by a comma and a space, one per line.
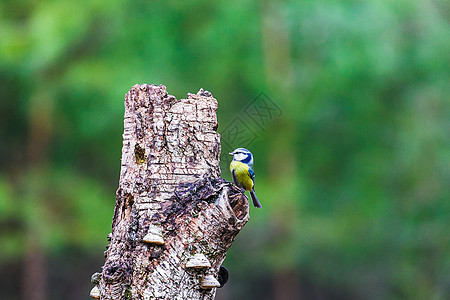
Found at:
[174, 217]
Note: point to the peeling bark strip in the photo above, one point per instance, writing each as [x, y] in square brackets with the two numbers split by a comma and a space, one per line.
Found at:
[172, 209]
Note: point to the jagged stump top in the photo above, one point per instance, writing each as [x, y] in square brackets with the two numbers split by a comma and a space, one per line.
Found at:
[168, 140]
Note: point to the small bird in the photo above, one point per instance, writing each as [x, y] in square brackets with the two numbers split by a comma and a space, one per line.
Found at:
[242, 172]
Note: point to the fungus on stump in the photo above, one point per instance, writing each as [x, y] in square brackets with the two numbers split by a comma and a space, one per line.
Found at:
[174, 217]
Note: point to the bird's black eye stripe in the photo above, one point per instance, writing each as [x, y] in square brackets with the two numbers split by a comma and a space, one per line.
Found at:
[247, 159]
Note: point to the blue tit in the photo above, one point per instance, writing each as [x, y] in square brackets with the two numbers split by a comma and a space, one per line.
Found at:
[242, 172]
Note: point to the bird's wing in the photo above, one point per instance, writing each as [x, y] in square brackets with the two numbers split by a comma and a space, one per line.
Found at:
[251, 173]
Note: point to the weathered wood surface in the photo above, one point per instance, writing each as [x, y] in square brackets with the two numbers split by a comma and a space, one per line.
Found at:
[171, 202]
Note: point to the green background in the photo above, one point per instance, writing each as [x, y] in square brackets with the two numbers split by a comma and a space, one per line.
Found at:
[353, 175]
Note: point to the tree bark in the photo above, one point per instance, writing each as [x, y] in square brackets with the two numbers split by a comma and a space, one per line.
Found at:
[174, 217]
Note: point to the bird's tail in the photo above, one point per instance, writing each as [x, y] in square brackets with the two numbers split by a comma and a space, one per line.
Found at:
[255, 199]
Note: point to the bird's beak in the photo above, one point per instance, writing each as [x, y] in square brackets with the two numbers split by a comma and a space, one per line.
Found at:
[231, 153]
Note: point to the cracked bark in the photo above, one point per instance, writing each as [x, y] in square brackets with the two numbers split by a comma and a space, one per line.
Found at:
[171, 203]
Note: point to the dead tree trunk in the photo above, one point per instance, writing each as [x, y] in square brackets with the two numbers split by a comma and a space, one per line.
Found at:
[175, 217]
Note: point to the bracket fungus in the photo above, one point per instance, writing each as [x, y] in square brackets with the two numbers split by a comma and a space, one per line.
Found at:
[209, 282]
[95, 279]
[198, 261]
[95, 292]
[154, 236]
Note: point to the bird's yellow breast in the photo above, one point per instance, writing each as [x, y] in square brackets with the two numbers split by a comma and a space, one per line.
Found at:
[242, 174]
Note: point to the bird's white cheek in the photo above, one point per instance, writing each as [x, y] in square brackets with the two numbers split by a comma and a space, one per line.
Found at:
[239, 156]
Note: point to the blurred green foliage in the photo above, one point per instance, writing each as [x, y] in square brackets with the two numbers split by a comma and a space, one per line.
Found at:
[353, 177]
